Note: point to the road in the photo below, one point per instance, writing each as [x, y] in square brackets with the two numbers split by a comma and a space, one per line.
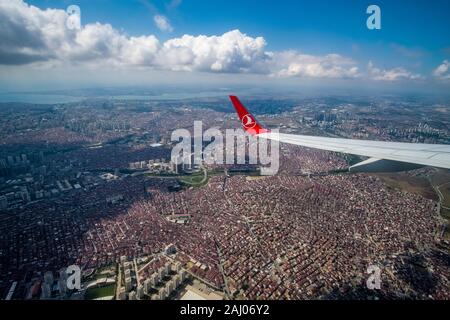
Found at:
[137, 272]
[439, 206]
[441, 196]
[225, 279]
[119, 282]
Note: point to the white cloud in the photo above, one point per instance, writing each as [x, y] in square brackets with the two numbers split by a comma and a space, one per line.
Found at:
[442, 71]
[162, 23]
[292, 63]
[231, 52]
[27, 32]
[30, 35]
[394, 74]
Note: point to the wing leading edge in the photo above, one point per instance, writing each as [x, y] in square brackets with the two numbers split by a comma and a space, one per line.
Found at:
[435, 155]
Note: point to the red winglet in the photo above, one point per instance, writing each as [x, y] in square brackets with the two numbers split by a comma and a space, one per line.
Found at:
[248, 121]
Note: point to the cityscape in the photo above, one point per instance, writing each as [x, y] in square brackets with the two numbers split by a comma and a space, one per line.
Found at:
[97, 189]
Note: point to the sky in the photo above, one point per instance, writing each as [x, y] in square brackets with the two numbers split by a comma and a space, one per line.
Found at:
[296, 43]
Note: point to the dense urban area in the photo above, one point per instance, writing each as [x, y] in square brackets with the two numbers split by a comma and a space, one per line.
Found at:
[91, 184]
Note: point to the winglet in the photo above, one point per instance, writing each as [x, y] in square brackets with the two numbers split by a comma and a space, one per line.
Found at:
[248, 121]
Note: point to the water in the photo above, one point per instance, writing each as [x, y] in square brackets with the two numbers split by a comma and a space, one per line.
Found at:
[37, 98]
[169, 96]
[41, 98]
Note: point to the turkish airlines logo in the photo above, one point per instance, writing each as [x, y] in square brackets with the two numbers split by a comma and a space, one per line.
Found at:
[248, 122]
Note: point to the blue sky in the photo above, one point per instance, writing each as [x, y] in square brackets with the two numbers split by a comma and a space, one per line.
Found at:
[311, 26]
[414, 35]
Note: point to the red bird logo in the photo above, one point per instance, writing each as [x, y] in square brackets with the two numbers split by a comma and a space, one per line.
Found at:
[248, 122]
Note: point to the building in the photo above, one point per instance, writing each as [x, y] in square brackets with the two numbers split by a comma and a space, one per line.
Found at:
[39, 194]
[176, 168]
[169, 287]
[62, 282]
[154, 279]
[147, 286]
[43, 170]
[3, 202]
[140, 292]
[162, 294]
[128, 285]
[48, 277]
[177, 281]
[26, 196]
[46, 291]
[127, 265]
[183, 275]
[161, 274]
[177, 267]
[167, 268]
[122, 295]
[62, 286]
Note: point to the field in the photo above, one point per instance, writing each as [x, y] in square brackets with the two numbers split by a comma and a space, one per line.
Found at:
[440, 176]
[95, 293]
[445, 213]
[414, 184]
[194, 180]
[421, 185]
[445, 191]
[441, 180]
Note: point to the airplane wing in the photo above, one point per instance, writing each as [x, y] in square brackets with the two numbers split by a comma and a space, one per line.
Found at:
[381, 154]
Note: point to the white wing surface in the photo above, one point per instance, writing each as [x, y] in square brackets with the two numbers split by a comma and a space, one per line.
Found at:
[434, 155]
